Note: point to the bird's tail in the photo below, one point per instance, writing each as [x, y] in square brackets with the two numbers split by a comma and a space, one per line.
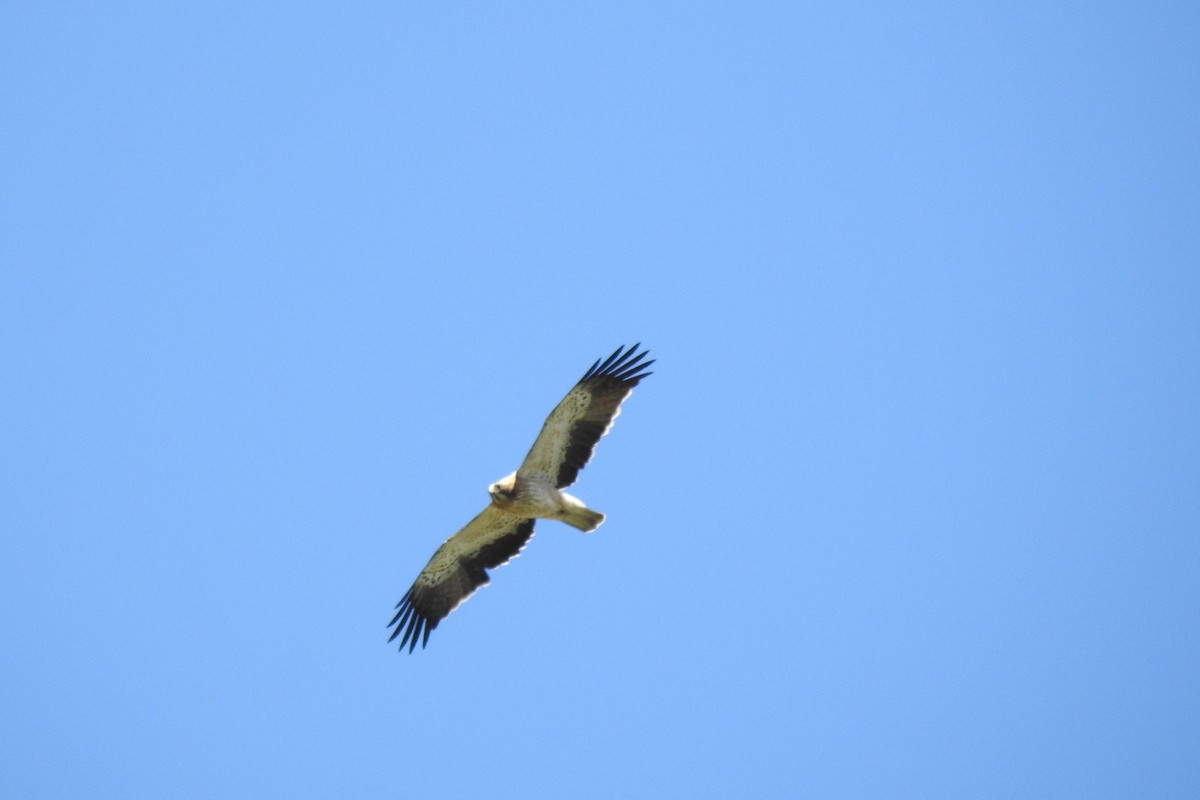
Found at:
[577, 515]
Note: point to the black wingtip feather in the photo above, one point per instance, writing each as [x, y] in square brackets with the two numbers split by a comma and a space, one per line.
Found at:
[615, 357]
[633, 371]
[421, 623]
[623, 364]
[408, 631]
[398, 621]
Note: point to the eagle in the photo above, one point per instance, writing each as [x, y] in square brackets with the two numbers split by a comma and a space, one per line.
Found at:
[534, 491]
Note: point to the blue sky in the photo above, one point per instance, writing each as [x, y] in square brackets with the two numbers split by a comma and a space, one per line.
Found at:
[909, 508]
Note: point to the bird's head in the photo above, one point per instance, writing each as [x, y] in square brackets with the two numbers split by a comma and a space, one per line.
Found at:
[502, 490]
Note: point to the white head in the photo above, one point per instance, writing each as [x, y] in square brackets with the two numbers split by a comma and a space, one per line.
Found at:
[502, 491]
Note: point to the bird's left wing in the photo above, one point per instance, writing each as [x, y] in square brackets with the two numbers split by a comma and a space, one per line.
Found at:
[568, 438]
[457, 569]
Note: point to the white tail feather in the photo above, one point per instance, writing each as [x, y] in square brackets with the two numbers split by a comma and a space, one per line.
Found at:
[582, 518]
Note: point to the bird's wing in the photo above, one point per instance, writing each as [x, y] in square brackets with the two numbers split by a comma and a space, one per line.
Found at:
[457, 569]
[587, 412]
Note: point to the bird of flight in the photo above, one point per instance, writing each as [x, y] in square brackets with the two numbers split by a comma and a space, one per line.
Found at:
[534, 491]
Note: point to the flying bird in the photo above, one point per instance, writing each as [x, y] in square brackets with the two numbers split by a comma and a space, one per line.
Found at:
[565, 444]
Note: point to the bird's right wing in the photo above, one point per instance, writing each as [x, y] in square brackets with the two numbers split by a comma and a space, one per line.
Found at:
[457, 569]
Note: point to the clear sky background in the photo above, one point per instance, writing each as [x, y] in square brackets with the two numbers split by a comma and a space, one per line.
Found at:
[909, 508]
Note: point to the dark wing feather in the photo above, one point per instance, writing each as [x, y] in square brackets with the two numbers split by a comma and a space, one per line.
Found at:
[457, 569]
[569, 436]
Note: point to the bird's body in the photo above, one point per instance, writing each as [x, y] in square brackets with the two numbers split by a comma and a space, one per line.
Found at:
[538, 499]
[533, 491]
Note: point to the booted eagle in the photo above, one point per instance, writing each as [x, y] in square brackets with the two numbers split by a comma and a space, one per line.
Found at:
[566, 442]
